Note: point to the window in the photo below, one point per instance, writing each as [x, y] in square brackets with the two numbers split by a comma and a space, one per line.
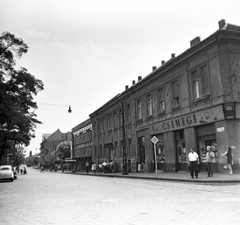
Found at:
[100, 151]
[129, 147]
[176, 100]
[109, 122]
[115, 120]
[149, 104]
[121, 118]
[128, 114]
[139, 108]
[104, 124]
[100, 126]
[161, 100]
[200, 82]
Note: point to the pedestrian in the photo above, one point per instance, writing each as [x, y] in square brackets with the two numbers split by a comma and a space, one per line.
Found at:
[104, 164]
[87, 166]
[210, 157]
[193, 159]
[42, 169]
[24, 169]
[229, 156]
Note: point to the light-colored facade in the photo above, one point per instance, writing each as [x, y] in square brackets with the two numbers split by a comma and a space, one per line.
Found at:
[190, 101]
[82, 144]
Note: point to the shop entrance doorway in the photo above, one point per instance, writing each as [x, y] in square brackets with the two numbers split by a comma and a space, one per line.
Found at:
[181, 154]
[203, 142]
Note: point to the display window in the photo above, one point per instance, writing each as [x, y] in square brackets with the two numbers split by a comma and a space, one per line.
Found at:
[160, 152]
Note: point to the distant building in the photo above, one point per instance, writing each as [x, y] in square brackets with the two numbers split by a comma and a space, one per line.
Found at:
[50, 142]
[82, 144]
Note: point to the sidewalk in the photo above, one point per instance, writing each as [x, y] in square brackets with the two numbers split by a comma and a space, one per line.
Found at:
[181, 176]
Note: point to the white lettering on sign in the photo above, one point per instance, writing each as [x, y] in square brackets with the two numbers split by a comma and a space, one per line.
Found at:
[220, 129]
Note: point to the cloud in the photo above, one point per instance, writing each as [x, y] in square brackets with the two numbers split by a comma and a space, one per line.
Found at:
[35, 35]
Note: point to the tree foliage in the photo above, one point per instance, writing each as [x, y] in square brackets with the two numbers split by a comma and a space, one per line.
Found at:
[17, 89]
[63, 150]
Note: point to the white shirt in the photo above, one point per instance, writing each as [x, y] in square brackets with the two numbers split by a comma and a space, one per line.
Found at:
[193, 156]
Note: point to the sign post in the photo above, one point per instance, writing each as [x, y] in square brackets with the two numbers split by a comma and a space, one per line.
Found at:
[154, 141]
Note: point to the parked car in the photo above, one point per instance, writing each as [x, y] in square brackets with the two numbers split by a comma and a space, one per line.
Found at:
[6, 173]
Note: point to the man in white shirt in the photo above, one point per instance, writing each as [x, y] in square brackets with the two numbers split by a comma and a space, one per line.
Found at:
[193, 159]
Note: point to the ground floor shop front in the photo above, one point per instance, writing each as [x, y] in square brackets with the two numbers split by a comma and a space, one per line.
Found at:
[175, 137]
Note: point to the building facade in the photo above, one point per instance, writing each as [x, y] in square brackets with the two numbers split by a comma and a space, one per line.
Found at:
[82, 144]
[51, 141]
[190, 101]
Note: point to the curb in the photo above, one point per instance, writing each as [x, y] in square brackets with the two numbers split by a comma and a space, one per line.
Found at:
[196, 180]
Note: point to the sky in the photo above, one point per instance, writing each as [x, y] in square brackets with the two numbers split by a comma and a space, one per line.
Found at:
[87, 51]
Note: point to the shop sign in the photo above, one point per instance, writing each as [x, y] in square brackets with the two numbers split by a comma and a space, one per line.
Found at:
[194, 119]
[220, 129]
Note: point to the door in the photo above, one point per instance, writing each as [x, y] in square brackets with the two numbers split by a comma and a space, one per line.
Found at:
[181, 153]
[203, 142]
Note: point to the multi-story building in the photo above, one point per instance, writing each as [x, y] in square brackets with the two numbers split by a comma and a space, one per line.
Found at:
[51, 141]
[190, 101]
[82, 144]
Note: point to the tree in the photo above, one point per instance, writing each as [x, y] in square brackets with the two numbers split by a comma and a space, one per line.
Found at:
[17, 88]
[63, 150]
[18, 157]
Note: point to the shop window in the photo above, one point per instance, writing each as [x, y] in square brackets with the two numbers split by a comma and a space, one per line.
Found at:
[160, 152]
[200, 82]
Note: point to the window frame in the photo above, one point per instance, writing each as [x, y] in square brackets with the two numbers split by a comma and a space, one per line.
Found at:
[139, 109]
[161, 100]
[199, 81]
[175, 94]
[149, 105]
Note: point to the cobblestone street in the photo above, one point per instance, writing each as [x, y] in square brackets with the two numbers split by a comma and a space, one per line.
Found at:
[59, 198]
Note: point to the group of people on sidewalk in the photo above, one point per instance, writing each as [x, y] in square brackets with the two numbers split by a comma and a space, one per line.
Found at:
[22, 169]
[193, 160]
[105, 167]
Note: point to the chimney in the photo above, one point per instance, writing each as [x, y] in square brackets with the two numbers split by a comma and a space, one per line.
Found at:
[195, 41]
[221, 24]
[126, 87]
[139, 78]
[154, 68]
[163, 61]
[133, 82]
[173, 55]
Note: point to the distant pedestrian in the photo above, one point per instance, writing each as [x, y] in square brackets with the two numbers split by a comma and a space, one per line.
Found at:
[193, 159]
[210, 157]
[87, 166]
[24, 169]
[229, 155]
[42, 169]
[104, 164]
